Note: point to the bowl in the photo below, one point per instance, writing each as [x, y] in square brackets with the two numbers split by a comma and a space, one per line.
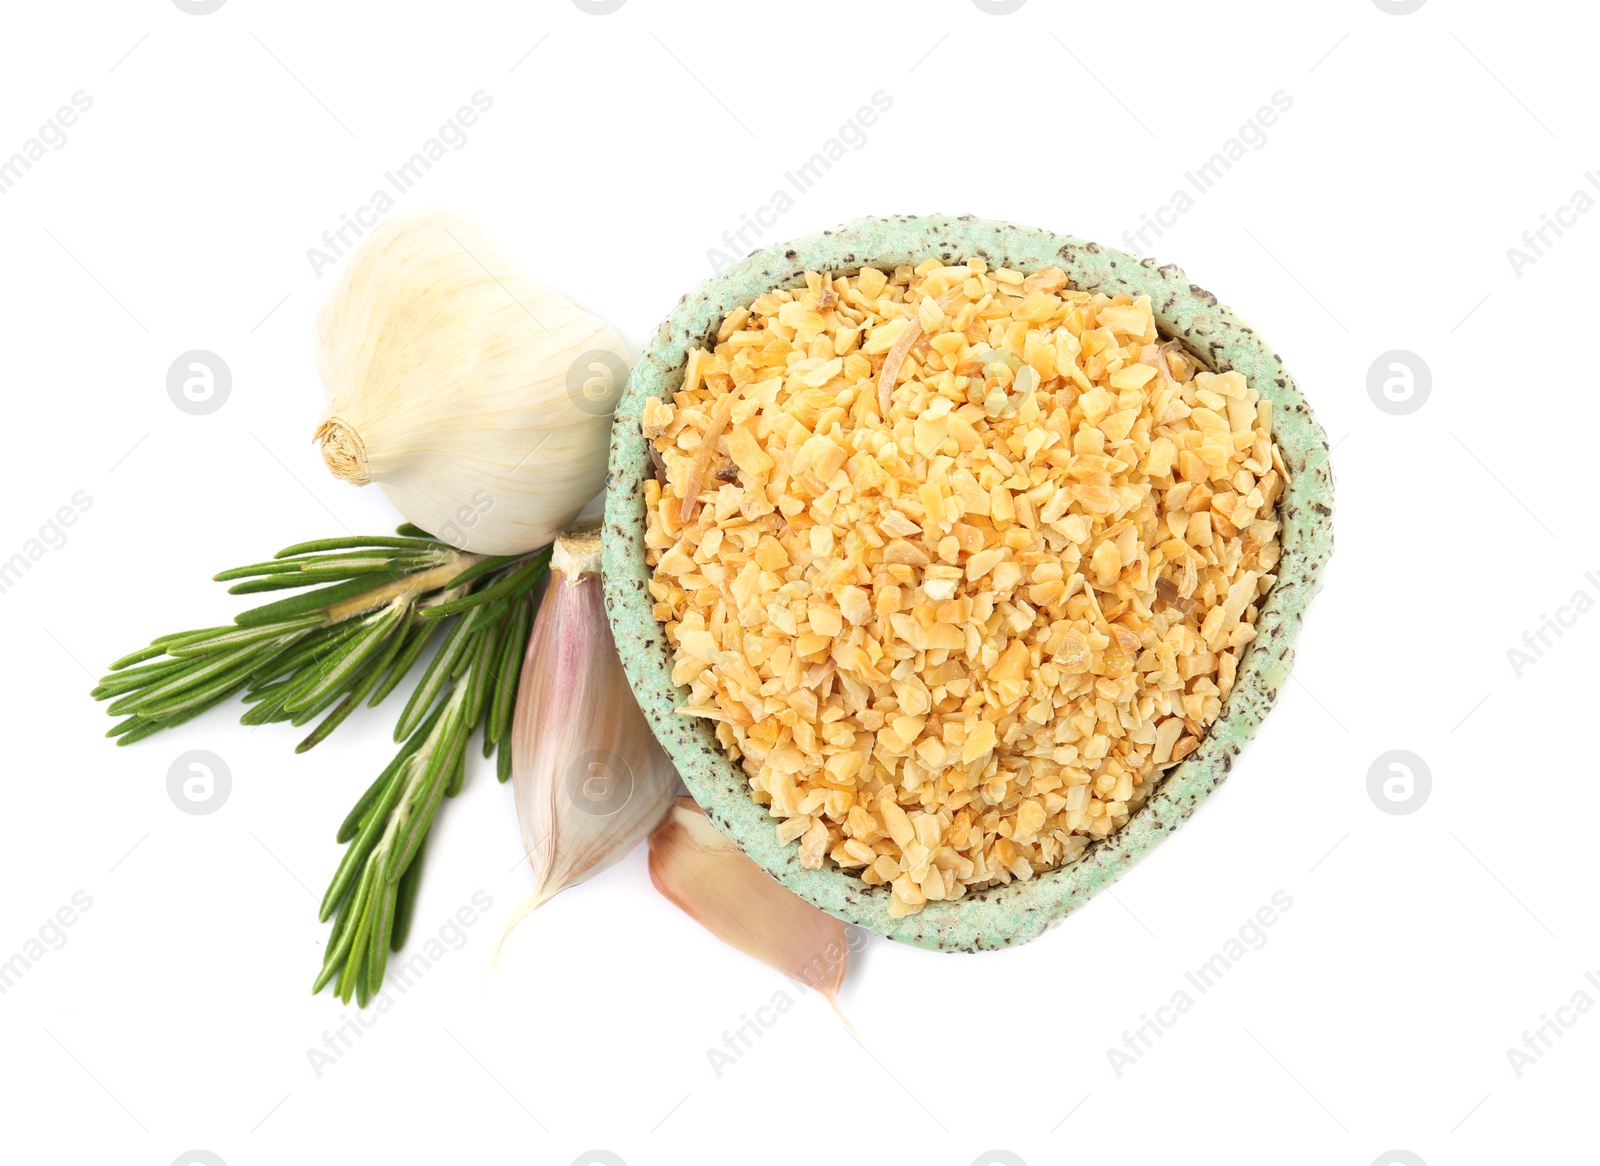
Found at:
[1018, 911]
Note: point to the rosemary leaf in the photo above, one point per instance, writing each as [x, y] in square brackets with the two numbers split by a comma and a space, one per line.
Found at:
[362, 922]
[458, 769]
[507, 670]
[355, 857]
[357, 692]
[345, 562]
[406, 899]
[338, 947]
[419, 637]
[313, 647]
[345, 667]
[138, 657]
[488, 652]
[183, 681]
[151, 727]
[434, 679]
[469, 650]
[424, 543]
[378, 948]
[478, 570]
[141, 731]
[116, 683]
[288, 582]
[319, 600]
[367, 818]
[122, 727]
[422, 799]
[175, 638]
[234, 637]
[267, 712]
[513, 584]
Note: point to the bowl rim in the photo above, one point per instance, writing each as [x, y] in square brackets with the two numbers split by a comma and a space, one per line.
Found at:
[1018, 911]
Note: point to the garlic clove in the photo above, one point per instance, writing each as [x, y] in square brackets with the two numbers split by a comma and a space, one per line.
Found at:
[715, 883]
[591, 780]
[478, 399]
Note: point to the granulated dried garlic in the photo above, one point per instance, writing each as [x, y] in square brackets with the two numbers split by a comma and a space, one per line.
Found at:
[958, 561]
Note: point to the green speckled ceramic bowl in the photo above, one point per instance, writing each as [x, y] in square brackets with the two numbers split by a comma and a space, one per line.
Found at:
[1019, 911]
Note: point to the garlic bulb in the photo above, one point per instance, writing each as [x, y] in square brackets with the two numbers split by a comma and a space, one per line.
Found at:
[591, 780]
[477, 398]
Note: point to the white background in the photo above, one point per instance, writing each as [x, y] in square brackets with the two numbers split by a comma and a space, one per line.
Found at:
[619, 148]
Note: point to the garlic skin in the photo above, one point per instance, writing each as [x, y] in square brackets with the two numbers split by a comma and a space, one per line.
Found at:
[477, 398]
[591, 780]
[720, 887]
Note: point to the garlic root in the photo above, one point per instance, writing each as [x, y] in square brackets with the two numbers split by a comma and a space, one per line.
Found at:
[343, 451]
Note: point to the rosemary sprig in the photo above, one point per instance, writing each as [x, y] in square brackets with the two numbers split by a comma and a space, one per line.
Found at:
[375, 605]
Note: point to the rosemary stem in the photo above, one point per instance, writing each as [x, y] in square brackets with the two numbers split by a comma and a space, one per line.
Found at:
[411, 585]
